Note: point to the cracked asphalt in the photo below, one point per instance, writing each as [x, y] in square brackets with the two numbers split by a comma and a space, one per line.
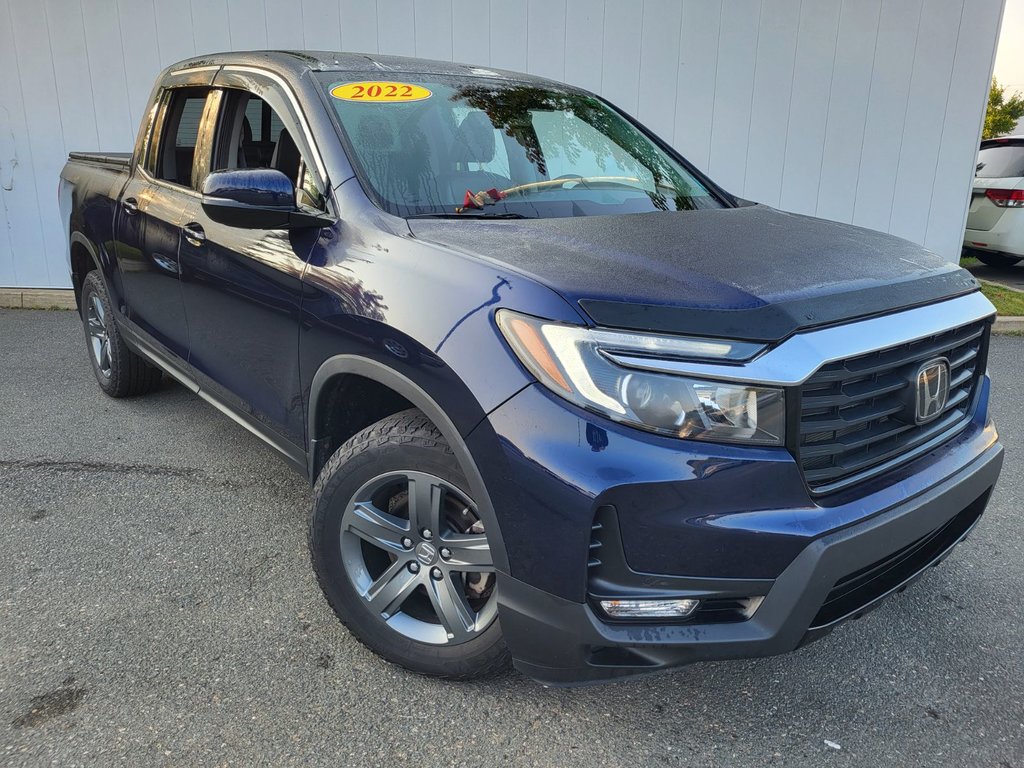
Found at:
[157, 608]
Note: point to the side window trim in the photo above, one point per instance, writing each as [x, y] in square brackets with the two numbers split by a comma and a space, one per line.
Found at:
[148, 162]
[204, 140]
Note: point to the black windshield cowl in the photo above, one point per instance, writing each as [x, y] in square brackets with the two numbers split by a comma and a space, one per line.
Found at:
[466, 215]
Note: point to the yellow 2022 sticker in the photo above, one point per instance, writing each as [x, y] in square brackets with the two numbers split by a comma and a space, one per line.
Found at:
[380, 92]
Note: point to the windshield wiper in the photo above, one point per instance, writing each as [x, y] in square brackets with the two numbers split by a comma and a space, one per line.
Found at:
[467, 215]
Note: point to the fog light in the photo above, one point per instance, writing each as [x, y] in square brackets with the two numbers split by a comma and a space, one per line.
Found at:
[649, 609]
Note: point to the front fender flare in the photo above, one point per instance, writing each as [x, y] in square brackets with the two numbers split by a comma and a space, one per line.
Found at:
[411, 391]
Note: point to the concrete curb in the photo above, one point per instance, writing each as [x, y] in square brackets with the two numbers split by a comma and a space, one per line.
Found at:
[1008, 325]
[37, 298]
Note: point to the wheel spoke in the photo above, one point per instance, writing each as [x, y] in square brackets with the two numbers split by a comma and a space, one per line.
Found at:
[97, 307]
[469, 552]
[387, 593]
[425, 499]
[105, 354]
[446, 595]
[96, 327]
[377, 527]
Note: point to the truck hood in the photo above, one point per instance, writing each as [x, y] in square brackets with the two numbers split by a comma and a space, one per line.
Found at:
[751, 273]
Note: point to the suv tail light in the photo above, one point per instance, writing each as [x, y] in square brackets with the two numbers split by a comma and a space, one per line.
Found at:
[1006, 198]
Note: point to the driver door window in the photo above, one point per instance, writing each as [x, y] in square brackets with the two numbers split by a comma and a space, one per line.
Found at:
[250, 134]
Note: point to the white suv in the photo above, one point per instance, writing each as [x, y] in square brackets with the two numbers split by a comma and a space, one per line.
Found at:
[995, 222]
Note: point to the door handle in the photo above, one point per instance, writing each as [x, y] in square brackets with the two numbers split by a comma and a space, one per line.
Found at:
[194, 234]
[131, 206]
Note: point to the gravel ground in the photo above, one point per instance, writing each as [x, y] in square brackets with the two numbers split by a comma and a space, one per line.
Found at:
[157, 608]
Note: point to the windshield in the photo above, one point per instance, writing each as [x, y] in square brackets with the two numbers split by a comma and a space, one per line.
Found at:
[469, 147]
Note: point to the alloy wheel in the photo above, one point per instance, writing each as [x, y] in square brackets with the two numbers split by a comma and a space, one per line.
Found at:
[416, 552]
[99, 338]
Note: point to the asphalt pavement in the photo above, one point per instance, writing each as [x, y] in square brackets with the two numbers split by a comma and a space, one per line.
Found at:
[1011, 277]
[157, 608]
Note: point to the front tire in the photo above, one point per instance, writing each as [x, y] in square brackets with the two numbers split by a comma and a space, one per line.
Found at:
[401, 554]
[119, 371]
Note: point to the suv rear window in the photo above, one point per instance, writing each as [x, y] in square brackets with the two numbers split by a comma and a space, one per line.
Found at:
[1001, 161]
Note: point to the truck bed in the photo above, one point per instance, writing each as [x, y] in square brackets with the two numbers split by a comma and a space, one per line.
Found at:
[118, 159]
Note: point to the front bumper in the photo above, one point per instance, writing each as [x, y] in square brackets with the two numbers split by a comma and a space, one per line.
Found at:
[562, 642]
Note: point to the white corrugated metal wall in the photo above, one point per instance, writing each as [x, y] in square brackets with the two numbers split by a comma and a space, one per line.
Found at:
[865, 111]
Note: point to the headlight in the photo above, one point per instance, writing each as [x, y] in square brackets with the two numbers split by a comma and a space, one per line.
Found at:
[570, 360]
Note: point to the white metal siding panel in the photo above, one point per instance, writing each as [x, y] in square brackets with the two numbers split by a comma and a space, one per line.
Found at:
[769, 109]
[284, 23]
[965, 107]
[321, 25]
[584, 38]
[510, 35]
[734, 90]
[886, 113]
[248, 23]
[808, 107]
[44, 140]
[358, 26]
[844, 127]
[545, 48]
[926, 108]
[698, 68]
[471, 35]
[109, 84]
[659, 66]
[858, 110]
[174, 31]
[433, 28]
[620, 72]
[137, 20]
[395, 31]
[211, 30]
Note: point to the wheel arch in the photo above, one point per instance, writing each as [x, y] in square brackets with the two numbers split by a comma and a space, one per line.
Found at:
[417, 397]
[84, 259]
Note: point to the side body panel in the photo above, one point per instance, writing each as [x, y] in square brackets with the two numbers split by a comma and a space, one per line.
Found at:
[88, 196]
[380, 305]
[147, 252]
[242, 293]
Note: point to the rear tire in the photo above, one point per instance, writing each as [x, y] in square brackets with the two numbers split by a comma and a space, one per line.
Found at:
[119, 371]
[420, 598]
[1000, 260]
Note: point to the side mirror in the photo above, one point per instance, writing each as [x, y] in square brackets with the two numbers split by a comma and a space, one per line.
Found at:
[255, 198]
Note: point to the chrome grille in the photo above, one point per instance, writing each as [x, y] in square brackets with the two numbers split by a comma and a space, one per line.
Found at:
[853, 419]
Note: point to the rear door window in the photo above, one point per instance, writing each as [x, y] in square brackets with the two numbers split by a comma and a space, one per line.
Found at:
[1001, 162]
[176, 145]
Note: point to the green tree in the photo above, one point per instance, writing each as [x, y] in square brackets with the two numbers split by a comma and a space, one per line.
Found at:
[1003, 113]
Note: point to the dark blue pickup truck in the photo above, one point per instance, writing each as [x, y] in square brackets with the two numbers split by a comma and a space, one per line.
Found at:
[562, 399]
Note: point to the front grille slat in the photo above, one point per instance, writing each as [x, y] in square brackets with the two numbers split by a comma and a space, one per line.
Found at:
[851, 417]
[895, 357]
[853, 412]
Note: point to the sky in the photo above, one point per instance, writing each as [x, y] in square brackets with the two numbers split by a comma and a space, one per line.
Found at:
[1009, 69]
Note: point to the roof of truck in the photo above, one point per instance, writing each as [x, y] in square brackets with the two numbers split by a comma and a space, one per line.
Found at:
[296, 63]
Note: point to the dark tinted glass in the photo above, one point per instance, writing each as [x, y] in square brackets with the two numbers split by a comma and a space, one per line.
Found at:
[173, 161]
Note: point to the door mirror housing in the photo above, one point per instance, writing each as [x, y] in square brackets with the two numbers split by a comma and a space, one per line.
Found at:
[256, 198]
